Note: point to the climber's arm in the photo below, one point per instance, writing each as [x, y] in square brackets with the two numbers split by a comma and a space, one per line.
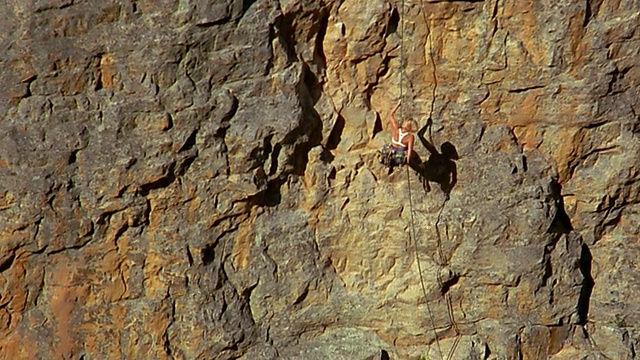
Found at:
[392, 118]
[410, 141]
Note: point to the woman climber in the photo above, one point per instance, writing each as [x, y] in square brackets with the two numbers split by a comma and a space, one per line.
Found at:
[401, 148]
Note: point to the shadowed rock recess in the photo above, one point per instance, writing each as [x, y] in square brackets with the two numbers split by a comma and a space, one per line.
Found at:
[198, 179]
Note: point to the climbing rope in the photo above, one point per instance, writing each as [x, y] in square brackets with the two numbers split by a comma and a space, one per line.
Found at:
[413, 229]
[443, 262]
[402, 64]
[415, 246]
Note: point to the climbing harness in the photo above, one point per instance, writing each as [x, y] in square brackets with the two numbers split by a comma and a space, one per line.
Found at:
[394, 154]
[391, 156]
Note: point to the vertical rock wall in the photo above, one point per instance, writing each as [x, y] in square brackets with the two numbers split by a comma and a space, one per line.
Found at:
[199, 179]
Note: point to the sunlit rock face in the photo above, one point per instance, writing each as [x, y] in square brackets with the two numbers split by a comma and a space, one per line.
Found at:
[199, 179]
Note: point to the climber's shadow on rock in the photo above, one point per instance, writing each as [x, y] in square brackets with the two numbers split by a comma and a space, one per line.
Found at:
[440, 167]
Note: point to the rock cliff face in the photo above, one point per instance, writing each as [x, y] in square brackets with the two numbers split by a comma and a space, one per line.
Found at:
[198, 179]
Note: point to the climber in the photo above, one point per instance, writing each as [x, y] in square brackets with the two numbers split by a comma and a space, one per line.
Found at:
[401, 148]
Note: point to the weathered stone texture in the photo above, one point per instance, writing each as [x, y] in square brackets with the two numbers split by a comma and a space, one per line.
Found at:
[198, 179]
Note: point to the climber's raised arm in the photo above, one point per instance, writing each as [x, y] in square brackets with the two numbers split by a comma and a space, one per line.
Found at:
[392, 118]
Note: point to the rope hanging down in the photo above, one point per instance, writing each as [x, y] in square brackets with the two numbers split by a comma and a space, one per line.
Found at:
[431, 58]
[402, 65]
[415, 248]
[413, 229]
[443, 261]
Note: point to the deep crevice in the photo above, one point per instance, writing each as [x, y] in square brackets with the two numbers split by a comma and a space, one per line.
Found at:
[377, 127]
[588, 13]
[99, 85]
[246, 4]
[394, 21]
[595, 124]
[189, 256]
[267, 148]
[190, 142]
[207, 24]
[384, 355]
[336, 134]
[301, 297]
[525, 89]
[591, 11]
[327, 157]
[163, 182]
[562, 221]
[587, 284]
[284, 31]
[309, 132]
[6, 264]
[208, 254]
[72, 157]
[312, 84]
[446, 286]
[272, 195]
[319, 56]
[167, 345]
